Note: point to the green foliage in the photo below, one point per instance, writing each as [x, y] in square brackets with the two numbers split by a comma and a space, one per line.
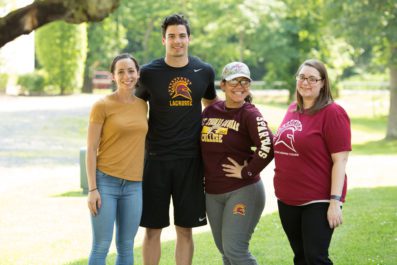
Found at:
[370, 26]
[3, 81]
[106, 39]
[32, 83]
[61, 49]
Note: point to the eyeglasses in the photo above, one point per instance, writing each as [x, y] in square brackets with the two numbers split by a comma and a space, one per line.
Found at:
[311, 79]
[234, 82]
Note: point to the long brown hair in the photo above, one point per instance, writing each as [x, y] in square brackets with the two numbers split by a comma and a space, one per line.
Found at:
[325, 96]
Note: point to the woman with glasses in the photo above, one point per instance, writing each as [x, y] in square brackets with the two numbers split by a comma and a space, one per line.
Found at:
[311, 150]
[235, 195]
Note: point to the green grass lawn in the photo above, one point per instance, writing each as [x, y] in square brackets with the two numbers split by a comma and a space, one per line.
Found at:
[369, 232]
[367, 236]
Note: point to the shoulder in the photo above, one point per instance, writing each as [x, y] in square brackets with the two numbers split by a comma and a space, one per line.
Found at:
[155, 64]
[335, 109]
[216, 106]
[141, 102]
[100, 103]
[250, 111]
[292, 106]
[198, 63]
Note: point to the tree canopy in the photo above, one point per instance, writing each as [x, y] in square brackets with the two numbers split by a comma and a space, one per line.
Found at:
[273, 37]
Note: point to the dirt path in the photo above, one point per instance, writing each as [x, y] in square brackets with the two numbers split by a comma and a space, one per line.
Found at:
[41, 209]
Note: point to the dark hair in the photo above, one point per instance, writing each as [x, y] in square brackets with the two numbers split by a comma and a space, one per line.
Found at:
[325, 96]
[175, 19]
[248, 98]
[120, 57]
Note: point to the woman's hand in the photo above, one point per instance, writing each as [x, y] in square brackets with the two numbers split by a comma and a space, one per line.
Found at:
[234, 170]
[334, 214]
[94, 202]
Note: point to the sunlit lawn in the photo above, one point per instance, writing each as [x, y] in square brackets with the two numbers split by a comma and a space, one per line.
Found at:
[368, 235]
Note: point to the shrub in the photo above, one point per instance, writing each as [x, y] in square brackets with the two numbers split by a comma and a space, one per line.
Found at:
[32, 83]
[3, 82]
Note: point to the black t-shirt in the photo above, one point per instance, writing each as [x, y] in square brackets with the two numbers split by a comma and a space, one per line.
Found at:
[174, 96]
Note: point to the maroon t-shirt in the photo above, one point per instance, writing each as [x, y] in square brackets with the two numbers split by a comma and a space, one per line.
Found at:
[303, 146]
[241, 134]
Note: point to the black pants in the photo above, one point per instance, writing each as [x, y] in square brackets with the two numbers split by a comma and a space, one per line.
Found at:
[308, 232]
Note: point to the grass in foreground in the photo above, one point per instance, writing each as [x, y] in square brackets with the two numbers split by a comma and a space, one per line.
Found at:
[368, 235]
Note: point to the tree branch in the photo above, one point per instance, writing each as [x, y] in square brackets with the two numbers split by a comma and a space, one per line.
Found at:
[26, 19]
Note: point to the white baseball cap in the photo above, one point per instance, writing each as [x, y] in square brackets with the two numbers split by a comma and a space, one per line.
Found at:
[235, 69]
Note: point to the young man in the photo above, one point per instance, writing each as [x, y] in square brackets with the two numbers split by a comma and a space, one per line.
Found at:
[174, 86]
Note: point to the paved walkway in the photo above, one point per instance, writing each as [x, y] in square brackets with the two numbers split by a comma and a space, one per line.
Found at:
[40, 207]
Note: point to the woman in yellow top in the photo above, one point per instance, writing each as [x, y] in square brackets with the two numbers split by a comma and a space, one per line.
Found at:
[115, 155]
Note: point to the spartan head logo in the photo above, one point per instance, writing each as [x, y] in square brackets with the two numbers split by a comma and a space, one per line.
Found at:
[179, 87]
[239, 209]
[286, 134]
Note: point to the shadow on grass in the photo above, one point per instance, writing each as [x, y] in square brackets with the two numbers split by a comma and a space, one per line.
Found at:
[110, 260]
[381, 147]
[369, 124]
[74, 193]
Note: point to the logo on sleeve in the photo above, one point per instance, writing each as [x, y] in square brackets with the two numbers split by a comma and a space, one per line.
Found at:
[286, 135]
[180, 92]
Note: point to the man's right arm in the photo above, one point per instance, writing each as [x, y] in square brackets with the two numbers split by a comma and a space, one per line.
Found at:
[141, 91]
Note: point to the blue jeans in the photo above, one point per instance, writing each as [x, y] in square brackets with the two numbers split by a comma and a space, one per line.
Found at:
[121, 204]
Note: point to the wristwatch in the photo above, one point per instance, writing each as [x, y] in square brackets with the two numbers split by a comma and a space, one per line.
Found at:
[335, 197]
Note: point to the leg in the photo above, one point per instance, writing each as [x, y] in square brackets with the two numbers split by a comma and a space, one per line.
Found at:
[129, 212]
[155, 213]
[189, 205]
[151, 247]
[103, 223]
[291, 220]
[184, 246]
[243, 210]
[215, 204]
[188, 194]
[316, 234]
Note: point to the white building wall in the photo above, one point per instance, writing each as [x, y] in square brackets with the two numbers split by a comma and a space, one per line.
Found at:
[17, 56]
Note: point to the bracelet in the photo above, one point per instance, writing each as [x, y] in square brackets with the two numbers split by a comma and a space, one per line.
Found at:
[335, 197]
[92, 190]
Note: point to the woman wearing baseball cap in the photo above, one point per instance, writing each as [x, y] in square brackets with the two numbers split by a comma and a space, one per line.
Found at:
[235, 195]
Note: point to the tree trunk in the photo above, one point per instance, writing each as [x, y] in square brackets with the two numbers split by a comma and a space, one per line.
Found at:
[87, 81]
[146, 38]
[392, 122]
[241, 46]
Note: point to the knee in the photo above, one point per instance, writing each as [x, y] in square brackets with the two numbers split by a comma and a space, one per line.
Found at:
[101, 247]
[125, 247]
[235, 251]
[314, 256]
[152, 234]
[184, 233]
